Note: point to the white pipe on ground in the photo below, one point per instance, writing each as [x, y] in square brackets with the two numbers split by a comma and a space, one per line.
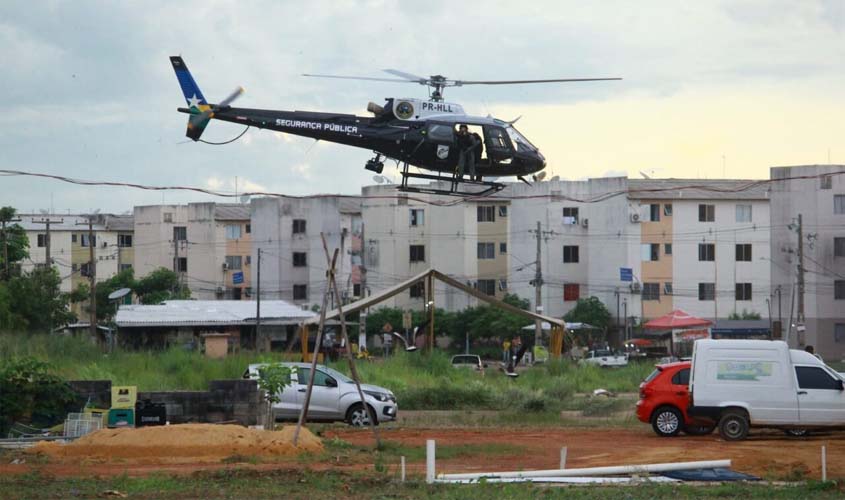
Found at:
[595, 471]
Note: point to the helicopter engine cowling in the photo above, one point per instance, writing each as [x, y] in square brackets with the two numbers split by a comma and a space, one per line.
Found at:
[375, 108]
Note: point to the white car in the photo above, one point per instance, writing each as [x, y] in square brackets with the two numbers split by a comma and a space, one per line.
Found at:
[334, 397]
[741, 384]
[605, 358]
[468, 361]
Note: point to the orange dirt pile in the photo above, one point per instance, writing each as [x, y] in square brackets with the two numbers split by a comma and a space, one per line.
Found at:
[175, 443]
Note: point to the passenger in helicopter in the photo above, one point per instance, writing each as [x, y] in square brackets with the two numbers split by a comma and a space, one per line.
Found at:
[469, 147]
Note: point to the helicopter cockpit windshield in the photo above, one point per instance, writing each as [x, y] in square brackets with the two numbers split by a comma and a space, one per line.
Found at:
[519, 141]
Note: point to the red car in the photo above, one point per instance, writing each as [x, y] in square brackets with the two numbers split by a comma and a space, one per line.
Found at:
[664, 398]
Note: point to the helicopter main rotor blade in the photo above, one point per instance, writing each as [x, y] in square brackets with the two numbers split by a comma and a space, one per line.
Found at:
[408, 76]
[234, 95]
[458, 83]
[342, 77]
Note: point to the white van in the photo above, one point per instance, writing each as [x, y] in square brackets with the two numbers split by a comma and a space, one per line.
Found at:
[740, 384]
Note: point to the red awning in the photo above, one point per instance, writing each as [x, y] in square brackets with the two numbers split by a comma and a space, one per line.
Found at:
[639, 342]
[676, 319]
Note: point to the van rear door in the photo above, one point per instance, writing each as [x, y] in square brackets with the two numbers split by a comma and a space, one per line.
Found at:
[821, 399]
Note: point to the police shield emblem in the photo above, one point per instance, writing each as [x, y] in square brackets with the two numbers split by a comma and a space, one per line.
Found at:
[442, 152]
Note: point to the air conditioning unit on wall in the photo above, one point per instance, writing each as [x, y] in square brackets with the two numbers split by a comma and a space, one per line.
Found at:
[636, 217]
[585, 223]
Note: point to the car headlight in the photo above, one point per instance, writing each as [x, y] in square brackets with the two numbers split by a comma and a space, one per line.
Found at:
[380, 396]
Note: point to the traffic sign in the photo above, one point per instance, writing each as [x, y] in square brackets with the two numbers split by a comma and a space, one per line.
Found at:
[626, 274]
[237, 278]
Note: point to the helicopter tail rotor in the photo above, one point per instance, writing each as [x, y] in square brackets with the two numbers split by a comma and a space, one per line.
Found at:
[200, 110]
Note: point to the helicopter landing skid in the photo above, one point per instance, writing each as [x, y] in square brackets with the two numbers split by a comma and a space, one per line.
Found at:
[456, 183]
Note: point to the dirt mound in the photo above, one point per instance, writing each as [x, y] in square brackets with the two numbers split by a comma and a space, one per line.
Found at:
[198, 442]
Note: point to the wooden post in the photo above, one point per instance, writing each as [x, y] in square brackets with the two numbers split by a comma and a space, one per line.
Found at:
[430, 304]
[349, 357]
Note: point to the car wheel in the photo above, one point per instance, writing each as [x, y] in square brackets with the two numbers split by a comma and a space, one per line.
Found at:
[797, 432]
[733, 426]
[357, 416]
[666, 421]
[699, 429]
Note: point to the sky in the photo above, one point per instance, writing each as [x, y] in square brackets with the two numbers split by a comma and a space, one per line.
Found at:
[711, 89]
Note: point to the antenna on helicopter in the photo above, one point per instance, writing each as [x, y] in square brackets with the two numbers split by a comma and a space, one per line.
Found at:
[437, 83]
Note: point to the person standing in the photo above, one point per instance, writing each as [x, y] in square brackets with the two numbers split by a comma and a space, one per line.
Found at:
[506, 350]
[387, 339]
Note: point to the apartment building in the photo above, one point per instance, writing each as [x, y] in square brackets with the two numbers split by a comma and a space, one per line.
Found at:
[208, 244]
[408, 234]
[703, 249]
[819, 200]
[288, 232]
[69, 246]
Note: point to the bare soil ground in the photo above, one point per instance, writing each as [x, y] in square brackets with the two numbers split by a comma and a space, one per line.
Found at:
[770, 455]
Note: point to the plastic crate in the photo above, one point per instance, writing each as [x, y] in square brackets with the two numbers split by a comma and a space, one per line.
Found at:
[80, 424]
[121, 417]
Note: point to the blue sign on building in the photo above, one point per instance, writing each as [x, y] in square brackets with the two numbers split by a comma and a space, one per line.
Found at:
[237, 278]
[626, 274]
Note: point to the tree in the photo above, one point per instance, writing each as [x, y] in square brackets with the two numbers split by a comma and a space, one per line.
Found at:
[154, 288]
[490, 321]
[31, 392]
[33, 301]
[14, 240]
[591, 311]
[272, 379]
[745, 315]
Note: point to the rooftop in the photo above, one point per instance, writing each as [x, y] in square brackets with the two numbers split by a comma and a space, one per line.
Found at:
[209, 312]
[698, 189]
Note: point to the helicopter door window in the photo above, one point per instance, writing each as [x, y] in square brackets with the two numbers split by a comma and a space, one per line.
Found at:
[440, 133]
[498, 144]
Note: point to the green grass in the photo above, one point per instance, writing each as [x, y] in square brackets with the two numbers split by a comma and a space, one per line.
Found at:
[420, 381]
[299, 484]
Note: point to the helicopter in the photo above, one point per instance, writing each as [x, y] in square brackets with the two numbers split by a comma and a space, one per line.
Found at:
[430, 134]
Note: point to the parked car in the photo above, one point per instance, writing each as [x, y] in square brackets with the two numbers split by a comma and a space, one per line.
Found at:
[740, 384]
[334, 397]
[605, 357]
[664, 398]
[468, 361]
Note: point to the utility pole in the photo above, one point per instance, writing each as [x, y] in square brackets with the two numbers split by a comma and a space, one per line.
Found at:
[538, 285]
[47, 221]
[92, 276]
[258, 336]
[6, 274]
[800, 317]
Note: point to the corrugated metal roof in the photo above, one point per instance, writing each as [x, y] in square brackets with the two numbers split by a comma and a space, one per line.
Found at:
[209, 312]
[697, 189]
[77, 223]
[231, 211]
[350, 205]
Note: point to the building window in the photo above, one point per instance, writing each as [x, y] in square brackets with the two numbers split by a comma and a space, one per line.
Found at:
[667, 288]
[168, 217]
[503, 285]
[417, 216]
[706, 291]
[743, 213]
[667, 209]
[417, 253]
[667, 249]
[487, 213]
[248, 259]
[839, 289]
[706, 252]
[571, 292]
[487, 287]
[486, 250]
[180, 233]
[248, 228]
[743, 252]
[826, 182]
[124, 240]
[182, 265]
[839, 203]
[299, 226]
[654, 212]
[839, 247]
[570, 254]
[300, 292]
[650, 251]
[233, 231]
[42, 240]
[85, 269]
[233, 262]
[839, 332]
[706, 213]
[570, 215]
[743, 291]
[503, 210]
[651, 291]
[503, 248]
[85, 239]
[300, 259]
[356, 289]
[417, 290]
[73, 238]
[124, 267]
